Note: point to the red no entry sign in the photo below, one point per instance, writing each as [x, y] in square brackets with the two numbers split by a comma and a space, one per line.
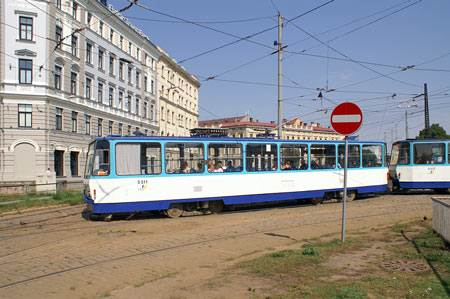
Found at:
[346, 118]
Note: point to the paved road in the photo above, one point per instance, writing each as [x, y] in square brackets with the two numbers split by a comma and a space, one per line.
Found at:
[58, 253]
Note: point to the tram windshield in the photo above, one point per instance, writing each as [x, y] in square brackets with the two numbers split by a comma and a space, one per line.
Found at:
[400, 154]
[98, 162]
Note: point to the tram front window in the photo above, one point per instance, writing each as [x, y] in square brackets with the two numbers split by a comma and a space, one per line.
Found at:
[400, 154]
[101, 159]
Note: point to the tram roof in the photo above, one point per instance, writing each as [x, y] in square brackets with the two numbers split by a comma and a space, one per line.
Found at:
[423, 140]
[224, 139]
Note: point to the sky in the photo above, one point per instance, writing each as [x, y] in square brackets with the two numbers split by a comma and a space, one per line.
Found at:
[377, 54]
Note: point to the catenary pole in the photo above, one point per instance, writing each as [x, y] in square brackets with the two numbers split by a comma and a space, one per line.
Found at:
[280, 112]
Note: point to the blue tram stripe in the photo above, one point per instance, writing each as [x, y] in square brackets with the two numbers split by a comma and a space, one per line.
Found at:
[424, 185]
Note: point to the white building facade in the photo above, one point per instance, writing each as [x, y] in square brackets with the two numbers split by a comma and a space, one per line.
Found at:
[70, 71]
[178, 98]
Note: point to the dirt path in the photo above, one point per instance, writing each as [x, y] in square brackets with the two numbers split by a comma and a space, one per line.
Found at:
[69, 257]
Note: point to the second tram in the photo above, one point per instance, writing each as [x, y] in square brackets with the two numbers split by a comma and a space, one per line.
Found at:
[420, 164]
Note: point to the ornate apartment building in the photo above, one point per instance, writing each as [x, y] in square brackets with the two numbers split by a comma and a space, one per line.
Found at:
[245, 126]
[71, 71]
[178, 98]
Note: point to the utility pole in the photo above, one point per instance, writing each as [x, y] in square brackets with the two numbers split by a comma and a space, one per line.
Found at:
[280, 113]
[406, 123]
[427, 111]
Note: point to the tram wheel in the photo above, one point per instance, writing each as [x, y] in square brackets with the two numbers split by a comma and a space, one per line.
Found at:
[351, 195]
[175, 210]
[216, 206]
[316, 200]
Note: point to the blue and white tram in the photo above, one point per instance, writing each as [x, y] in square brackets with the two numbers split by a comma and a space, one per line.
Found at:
[182, 175]
[420, 164]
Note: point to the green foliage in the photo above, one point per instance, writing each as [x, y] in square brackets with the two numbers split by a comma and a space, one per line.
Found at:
[69, 197]
[310, 251]
[351, 293]
[436, 132]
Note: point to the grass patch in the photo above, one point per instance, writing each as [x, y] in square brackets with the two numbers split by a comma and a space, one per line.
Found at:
[68, 197]
[304, 274]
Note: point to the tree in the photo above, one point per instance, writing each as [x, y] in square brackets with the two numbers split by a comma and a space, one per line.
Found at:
[436, 132]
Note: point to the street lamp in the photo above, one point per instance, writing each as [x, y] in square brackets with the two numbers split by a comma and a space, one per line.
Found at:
[406, 117]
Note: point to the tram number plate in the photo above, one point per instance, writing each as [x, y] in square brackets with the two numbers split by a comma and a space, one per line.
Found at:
[142, 182]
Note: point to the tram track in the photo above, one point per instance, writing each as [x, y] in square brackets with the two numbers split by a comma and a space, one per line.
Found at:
[189, 242]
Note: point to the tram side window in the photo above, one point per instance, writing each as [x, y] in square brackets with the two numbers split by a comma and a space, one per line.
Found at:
[101, 158]
[184, 157]
[261, 157]
[294, 156]
[225, 157]
[323, 156]
[429, 153]
[372, 156]
[138, 158]
[353, 156]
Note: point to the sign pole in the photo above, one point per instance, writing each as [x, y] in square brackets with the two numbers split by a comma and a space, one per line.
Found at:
[346, 119]
[345, 189]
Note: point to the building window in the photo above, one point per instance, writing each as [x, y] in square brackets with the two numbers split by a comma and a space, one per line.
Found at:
[25, 28]
[58, 36]
[59, 163]
[137, 53]
[121, 42]
[111, 65]
[110, 128]
[74, 45]
[138, 78]
[73, 83]
[100, 59]
[120, 100]
[57, 77]
[100, 92]
[58, 4]
[120, 129]
[74, 10]
[145, 110]
[25, 71]
[88, 88]
[145, 83]
[87, 124]
[111, 96]
[137, 106]
[88, 53]
[151, 111]
[100, 127]
[100, 28]
[121, 70]
[25, 115]
[129, 75]
[59, 115]
[89, 18]
[129, 103]
[111, 35]
[74, 163]
[129, 130]
[74, 121]
[129, 47]
[152, 86]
